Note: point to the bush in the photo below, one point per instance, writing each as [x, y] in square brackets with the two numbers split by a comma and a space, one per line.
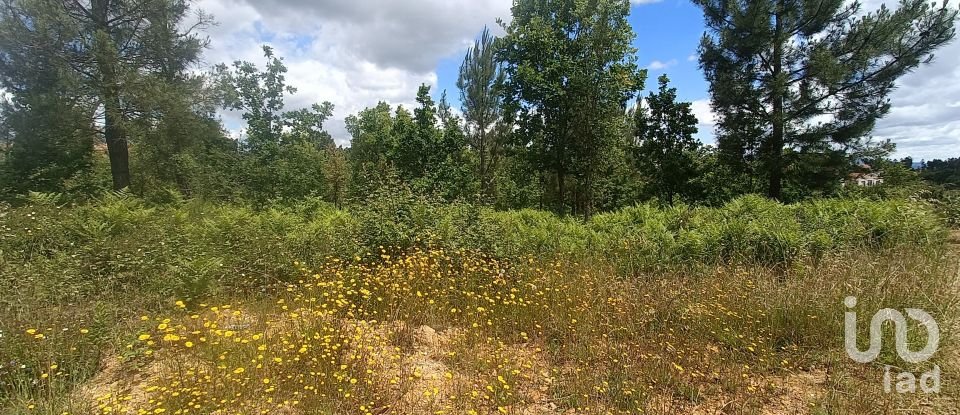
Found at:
[120, 243]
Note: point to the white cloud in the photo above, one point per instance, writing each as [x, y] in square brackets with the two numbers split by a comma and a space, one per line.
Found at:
[639, 2]
[704, 113]
[924, 119]
[692, 58]
[706, 120]
[661, 65]
[357, 52]
[351, 53]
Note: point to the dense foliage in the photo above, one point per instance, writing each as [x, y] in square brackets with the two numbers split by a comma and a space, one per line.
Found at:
[135, 307]
[547, 119]
[799, 85]
[193, 247]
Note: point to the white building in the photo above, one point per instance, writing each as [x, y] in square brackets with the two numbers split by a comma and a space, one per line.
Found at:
[865, 179]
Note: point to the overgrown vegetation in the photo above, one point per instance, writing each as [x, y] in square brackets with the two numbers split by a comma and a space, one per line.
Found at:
[407, 306]
[121, 242]
[115, 98]
[565, 247]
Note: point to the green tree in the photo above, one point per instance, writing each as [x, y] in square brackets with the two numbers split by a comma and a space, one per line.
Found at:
[419, 146]
[372, 148]
[479, 82]
[809, 76]
[942, 172]
[48, 140]
[336, 173]
[408, 157]
[306, 124]
[665, 147]
[620, 183]
[181, 146]
[101, 50]
[47, 117]
[454, 174]
[570, 70]
[284, 151]
[260, 95]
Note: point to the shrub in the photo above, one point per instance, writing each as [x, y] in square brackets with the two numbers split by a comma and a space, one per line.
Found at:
[120, 242]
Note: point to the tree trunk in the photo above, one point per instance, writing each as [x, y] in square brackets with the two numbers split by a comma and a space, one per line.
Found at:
[482, 147]
[110, 94]
[775, 146]
[116, 144]
[588, 197]
[561, 194]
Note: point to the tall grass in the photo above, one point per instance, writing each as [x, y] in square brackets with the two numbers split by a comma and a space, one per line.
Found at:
[193, 248]
[640, 310]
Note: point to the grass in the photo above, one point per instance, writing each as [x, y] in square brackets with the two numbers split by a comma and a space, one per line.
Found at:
[151, 313]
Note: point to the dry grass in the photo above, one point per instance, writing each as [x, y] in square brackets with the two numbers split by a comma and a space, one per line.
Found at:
[454, 332]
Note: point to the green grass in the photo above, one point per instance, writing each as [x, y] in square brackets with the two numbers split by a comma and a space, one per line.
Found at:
[645, 309]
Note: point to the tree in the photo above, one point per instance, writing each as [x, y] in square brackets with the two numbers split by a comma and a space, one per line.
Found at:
[810, 76]
[181, 146]
[408, 156]
[620, 183]
[943, 172]
[570, 71]
[106, 47]
[306, 125]
[284, 152]
[665, 147]
[47, 117]
[49, 140]
[260, 95]
[372, 146]
[336, 173]
[479, 82]
[454, 174]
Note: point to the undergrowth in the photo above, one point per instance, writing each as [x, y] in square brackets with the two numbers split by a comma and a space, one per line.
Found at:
[119, 307]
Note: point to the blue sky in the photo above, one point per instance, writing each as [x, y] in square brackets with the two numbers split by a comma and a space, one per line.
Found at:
[667, 36]
[356, 53]
[667, 32]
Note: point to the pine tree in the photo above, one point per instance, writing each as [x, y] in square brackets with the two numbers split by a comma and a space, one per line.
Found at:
[789, 78]
[105, 48]
[479, 82]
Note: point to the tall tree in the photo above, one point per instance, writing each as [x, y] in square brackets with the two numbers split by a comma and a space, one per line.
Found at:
[419, 148]
[570, 70]
[49, 139]
[107, 46]
[373, 146]
[665, 147]
[454, 174]
[285, 151]
[479, 82]
[810, 76]
[260, 95]
[47, 114]
[336, 172]
[179, 142]
[943, 172]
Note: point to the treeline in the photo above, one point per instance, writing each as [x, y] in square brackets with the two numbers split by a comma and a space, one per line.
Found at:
[550, 114]
[942, 172]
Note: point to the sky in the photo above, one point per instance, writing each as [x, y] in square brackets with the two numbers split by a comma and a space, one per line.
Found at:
[355, 53]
